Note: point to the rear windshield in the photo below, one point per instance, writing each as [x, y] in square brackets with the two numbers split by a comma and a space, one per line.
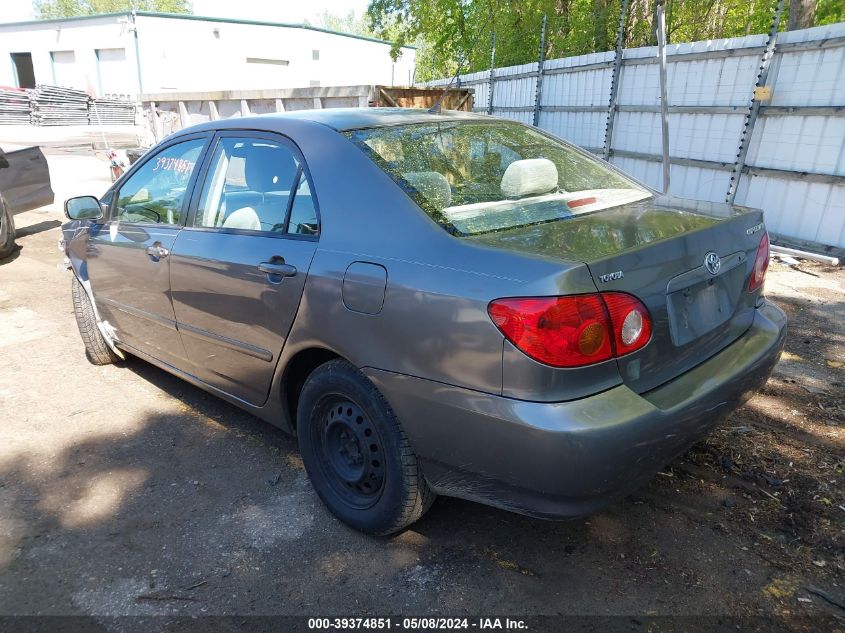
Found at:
[478, 177]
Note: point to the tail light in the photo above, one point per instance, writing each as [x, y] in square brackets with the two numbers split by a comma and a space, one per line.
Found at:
[573, 331]
[631, 322]
[761, 264]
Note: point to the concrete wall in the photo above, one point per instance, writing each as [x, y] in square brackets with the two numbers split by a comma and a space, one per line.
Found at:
[167, 112]
[194, 54]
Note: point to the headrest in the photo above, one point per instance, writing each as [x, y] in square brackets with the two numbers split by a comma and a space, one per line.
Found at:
[432, 185]
[245, 218]
[269, 169]
[532, 175]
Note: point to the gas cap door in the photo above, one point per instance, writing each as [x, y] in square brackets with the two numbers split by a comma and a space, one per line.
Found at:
[364, 285]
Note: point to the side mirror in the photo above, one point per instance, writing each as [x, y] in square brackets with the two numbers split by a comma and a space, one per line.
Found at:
[83, 208]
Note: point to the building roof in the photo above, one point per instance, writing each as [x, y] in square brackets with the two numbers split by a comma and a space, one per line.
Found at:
[200, 18]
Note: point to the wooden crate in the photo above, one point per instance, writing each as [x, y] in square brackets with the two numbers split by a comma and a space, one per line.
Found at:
[422, 98]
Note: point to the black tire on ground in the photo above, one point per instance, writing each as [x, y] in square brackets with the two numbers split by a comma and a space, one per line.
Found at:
[7, 230]
[96, 349]
[356, 453]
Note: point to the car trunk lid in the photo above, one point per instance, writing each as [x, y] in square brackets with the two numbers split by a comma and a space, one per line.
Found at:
[655, 250]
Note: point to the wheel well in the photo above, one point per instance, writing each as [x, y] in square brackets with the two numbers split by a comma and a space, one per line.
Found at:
[297, 371]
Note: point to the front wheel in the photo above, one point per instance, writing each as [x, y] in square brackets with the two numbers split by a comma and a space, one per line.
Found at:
[356, 453]
[96, 349]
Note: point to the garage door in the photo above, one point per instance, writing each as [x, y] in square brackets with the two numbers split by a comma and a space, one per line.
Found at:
[65, 70]
[116, 78]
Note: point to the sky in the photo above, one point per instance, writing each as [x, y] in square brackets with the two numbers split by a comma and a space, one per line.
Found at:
[15, 10]
[278, 11]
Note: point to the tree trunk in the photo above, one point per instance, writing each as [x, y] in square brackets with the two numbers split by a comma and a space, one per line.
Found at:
[600, 22]
[557, 34]
[802, 14]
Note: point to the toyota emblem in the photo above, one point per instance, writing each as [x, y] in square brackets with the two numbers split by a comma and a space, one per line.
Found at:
[712, 263]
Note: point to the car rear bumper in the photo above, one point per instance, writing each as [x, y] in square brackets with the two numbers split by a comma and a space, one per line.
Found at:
[566, 459]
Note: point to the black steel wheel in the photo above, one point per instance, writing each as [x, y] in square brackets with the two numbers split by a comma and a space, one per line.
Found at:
[351, 451]
[356, 454]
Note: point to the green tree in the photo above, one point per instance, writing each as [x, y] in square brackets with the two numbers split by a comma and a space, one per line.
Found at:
[349, 23]
[440, 24]
[829, 11]
[47, 9]
[450, 33]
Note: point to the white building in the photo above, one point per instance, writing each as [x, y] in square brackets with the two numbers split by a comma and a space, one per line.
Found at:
[140, 52]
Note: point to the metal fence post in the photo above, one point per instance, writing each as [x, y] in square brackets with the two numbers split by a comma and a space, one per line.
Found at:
[754, 109]
[541, 61]
[664, 106]
[492, 80]
[614, 80]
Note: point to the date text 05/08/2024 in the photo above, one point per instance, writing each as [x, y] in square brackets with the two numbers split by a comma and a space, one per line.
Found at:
[417, 624]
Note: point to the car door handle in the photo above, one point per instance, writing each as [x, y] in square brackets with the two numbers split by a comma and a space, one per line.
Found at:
[280, 269]
[156, 251]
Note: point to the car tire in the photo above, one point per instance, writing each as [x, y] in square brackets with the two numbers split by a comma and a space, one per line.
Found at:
[96, 349]
[7, 230]
[356, 454]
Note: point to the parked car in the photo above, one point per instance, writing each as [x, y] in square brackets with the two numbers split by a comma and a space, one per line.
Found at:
[24, 185]
[433, 303]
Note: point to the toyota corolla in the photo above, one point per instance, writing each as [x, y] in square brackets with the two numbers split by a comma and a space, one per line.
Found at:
[432, 303]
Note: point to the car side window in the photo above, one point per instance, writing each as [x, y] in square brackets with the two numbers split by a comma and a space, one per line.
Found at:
[248, 186]
[155, 193]
[303, 212]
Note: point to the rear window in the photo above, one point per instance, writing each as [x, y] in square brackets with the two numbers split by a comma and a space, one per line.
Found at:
[478, 177]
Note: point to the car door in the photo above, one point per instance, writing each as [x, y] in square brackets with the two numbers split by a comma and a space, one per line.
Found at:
[25, 179]
[128, 255]
[238, 268]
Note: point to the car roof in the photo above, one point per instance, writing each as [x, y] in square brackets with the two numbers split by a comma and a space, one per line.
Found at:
[343, 119]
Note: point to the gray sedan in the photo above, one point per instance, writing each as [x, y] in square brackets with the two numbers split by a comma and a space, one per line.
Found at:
[433, 303]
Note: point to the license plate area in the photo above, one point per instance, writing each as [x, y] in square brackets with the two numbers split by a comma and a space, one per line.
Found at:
[699, 308]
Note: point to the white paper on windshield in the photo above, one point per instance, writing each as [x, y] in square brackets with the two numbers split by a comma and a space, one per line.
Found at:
[604, 199]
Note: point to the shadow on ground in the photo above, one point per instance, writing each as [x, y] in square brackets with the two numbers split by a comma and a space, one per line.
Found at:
[127, 491]
[32, 229]
[16, 252]
[209, 511]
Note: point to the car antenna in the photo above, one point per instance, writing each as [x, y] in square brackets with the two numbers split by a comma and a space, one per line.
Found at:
[437, 108]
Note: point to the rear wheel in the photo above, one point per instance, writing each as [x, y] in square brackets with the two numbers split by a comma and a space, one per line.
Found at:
[356, 453]
[7, 230]
[96, 349]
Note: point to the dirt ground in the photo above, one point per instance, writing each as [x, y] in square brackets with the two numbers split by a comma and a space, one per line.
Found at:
[126, 491]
